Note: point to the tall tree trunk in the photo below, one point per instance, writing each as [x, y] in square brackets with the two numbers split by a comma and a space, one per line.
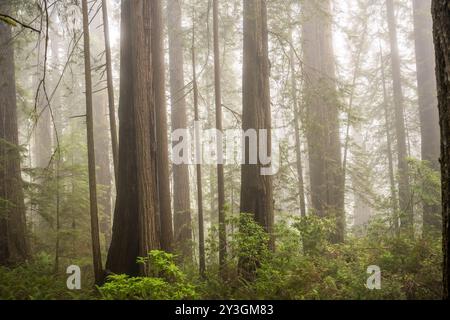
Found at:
[55, 42]
[201, 231]
[181, 204]
[426, 89]
[322, 128]
[135, 228]
[406, 207]
[256, 189]
[441, 17]
[220, 175]
[394, 200]
[96, 253]
[298, 144]
[103, 163]
[165, 208]
[102, 131]
[14, 246]
[110, 86]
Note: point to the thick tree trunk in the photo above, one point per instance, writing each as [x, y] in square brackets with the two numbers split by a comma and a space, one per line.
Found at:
[441, 17]
[181, 204]
[165, 207]
[426, 89]
[406, 205]
[256, 189]
[135, 228]
[14, 247]
[95, 233]
[220, 175]
[322, 128]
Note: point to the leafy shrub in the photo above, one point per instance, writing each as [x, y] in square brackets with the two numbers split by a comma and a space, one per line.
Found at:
[410, 268]
[165, 281]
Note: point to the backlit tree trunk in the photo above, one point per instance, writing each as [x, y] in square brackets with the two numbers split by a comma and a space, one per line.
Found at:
[298, 133]
[404, 192]
[220, 176]
[95, 233]
[393, 189]
[181, 205]
[110, 87]
[426, 89]
[165, 208]
[103, 163]
[201, 231]
[322, 115]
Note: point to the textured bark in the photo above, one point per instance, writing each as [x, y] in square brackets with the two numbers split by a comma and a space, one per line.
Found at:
[181, 195]
[165, 208]
[135, 227]
[220, 174]
[95, 233]
[441, 17]
[426, 89]
[256, 189]
[14, 247]
[322, 114]
[404, 192]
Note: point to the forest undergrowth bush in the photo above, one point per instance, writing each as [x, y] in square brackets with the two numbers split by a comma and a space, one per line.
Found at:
[165, 281]
[36, 280]
[305, 265]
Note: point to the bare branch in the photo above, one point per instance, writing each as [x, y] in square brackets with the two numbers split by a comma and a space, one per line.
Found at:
[6, 17]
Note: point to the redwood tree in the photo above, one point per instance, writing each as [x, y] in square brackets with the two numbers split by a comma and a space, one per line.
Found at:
[164, 208]
[95, 233]
[14, 247]
[220, 174]
[322, 115]
[256, 189]
[135, 227]
[181, 195]
[426, 89]
[441, 17]
[404, 192]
